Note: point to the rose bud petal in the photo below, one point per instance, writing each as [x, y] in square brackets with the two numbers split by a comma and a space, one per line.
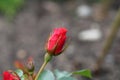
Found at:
[9, 75]
[56, 41]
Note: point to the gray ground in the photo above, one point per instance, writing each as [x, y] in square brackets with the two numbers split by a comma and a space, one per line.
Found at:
[26, 34]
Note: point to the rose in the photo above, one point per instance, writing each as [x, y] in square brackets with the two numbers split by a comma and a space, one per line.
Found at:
[9, 75]
[56, 41]
[54, 47]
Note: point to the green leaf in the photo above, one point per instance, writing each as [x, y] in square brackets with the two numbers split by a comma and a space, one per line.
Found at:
[22, 77]
[19, 72]
[67, 78]
[60, 74]
[46, 75]
[84, 73]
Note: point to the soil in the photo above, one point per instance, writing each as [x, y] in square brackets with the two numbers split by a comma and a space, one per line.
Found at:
[27, 33]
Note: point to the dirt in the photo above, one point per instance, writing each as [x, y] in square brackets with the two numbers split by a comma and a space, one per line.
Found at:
[27, 33]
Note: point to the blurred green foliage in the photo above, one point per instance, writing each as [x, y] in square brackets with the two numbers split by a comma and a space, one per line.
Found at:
[10, 7]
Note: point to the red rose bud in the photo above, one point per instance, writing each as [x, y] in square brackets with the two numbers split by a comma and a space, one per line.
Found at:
[9, 75]
[56, 41]
[30, 65]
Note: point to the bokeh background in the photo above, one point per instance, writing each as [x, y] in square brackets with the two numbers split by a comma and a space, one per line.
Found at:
[25, 26]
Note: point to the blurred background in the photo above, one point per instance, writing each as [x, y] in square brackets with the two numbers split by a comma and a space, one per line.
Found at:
[25, 26]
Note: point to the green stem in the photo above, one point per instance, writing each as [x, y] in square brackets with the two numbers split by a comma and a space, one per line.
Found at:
[41, 69]
[47, 58]
[109, 41]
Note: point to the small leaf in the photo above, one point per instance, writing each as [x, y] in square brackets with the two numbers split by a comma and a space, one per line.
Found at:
[60, 74]
[22, 77]
[85, 73]
[46, 75]
[67, 78]
[19, 72]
